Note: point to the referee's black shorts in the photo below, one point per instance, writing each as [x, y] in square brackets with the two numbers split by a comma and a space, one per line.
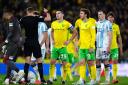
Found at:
[32, 47]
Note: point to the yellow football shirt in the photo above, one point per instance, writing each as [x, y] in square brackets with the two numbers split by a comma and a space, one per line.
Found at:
[87, 33]
[115, 33]
[60, 32]
[70, 46]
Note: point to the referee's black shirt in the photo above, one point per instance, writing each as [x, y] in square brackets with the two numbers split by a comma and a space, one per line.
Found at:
[30, 24]
[31, 45]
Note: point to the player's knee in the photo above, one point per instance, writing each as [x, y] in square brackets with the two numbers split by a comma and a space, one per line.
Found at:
[28, 59]
[64, 63]
[91, 63]
[39, 60]
[5, 59]
[53, 62]
[114, 61]
[98, 62]
[82, 62]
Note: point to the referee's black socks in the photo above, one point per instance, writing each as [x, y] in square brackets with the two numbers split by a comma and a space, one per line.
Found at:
[26, 69]
[40, 69]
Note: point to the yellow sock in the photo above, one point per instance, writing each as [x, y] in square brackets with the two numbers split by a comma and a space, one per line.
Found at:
[114, 71]
[89, 70]
[93, 72]
[77, 69]
[69, 72]
[52, 71]
[82, 71]
[64, 73]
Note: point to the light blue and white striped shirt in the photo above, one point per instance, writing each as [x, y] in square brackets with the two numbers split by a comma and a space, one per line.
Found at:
[42, 27]
[102, 39]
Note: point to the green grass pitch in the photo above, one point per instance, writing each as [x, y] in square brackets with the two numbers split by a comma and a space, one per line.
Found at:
[122, 80]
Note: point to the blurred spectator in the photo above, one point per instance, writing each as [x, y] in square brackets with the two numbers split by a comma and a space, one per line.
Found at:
[125, 39]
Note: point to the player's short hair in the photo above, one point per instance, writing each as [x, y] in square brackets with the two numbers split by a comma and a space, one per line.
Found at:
[36, 13]
[86, 11]
[30, 9]
[110, 14]
[102, 10]
[61, 10]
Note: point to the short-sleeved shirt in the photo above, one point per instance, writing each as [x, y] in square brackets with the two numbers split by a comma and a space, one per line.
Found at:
[70, 46]
[31, 45]
[42, 27]
[115, 33]
[60, 32]
[102, 38]
[30, 24]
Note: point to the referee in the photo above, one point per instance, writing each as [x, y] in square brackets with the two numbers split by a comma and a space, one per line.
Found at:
[31, 45]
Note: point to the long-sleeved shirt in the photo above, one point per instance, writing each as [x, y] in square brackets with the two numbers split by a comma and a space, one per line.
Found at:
[12, 30]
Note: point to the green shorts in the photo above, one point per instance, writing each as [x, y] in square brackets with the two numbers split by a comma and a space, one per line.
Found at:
[114, 54]
[59, 53]
[70, 58]
[84, 54]
[76, 59]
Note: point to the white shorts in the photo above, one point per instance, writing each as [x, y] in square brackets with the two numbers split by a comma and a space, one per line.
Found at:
[102, 54]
